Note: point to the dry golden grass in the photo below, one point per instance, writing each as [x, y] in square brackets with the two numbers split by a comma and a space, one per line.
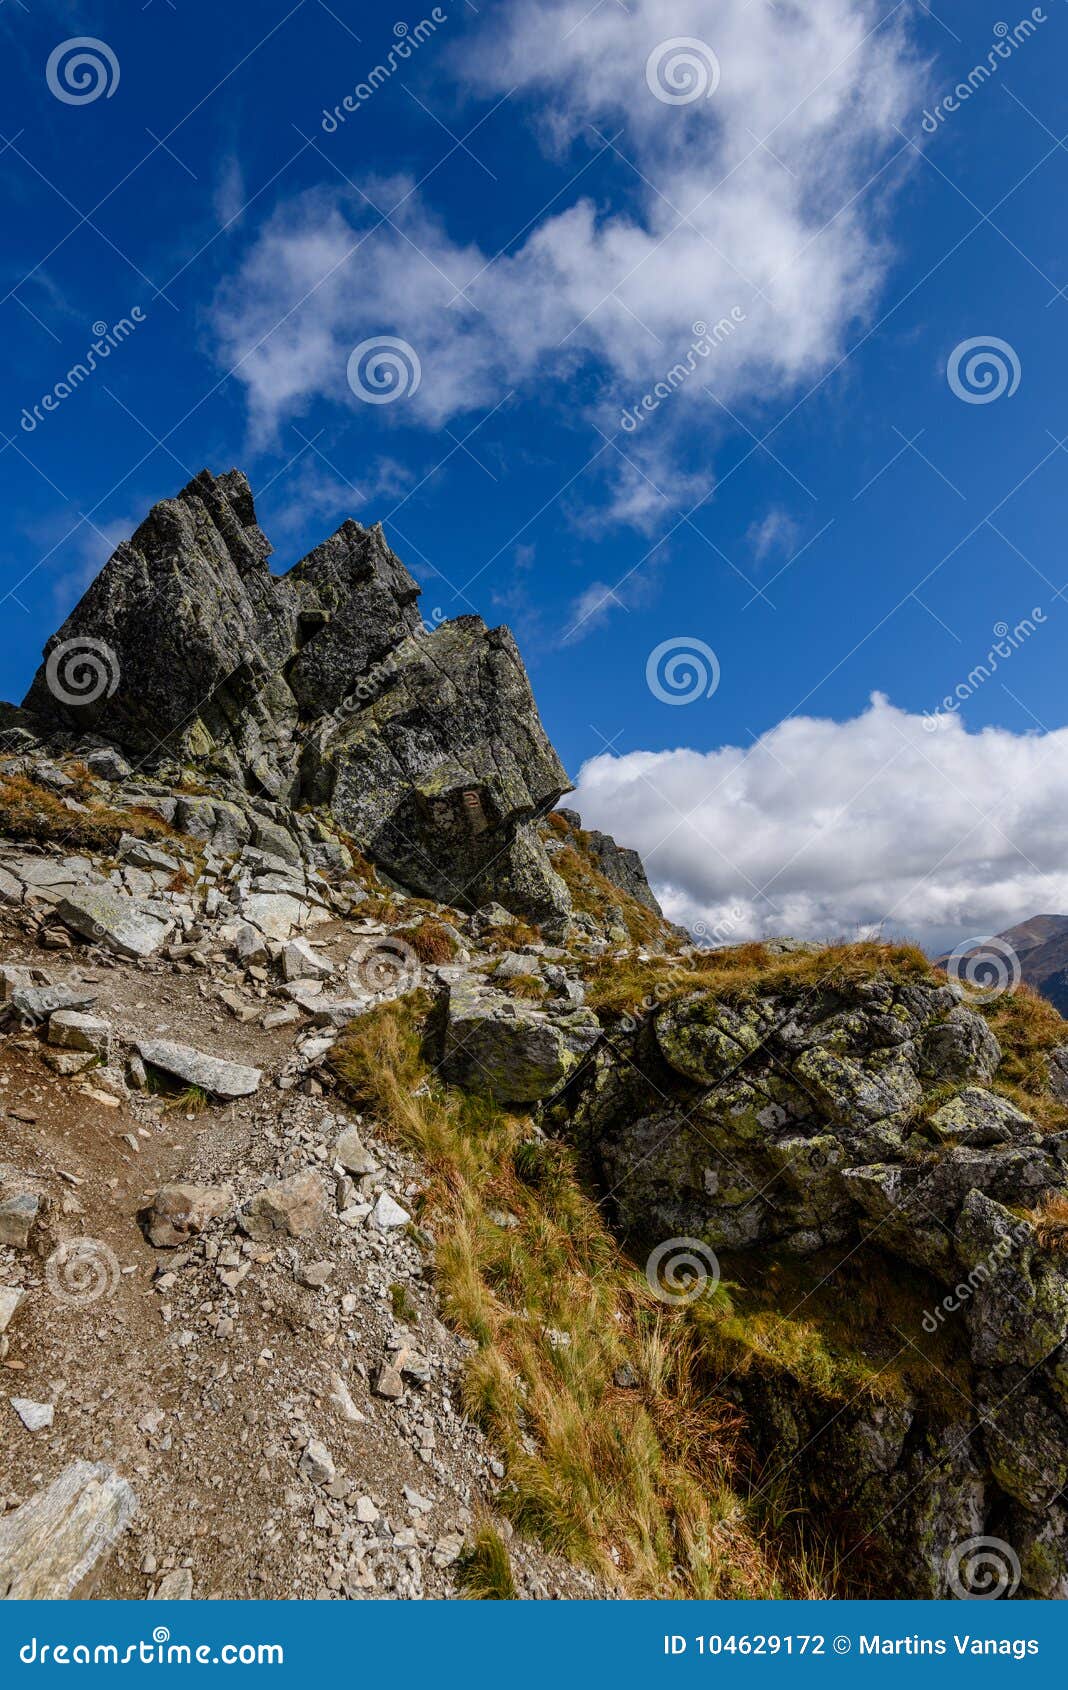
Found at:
[1027, 1028]
[510, 936]
[527, 986]
[484, 1572]
[742, 972]
[430, 940]
[1050, 1221]
[634, 1483]
[33, 814]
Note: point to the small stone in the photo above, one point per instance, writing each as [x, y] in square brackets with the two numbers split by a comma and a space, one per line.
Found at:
[294, 1207]
[179, 1212]
[176, 1586]
[300, 962]
[72, 1029]
[387, 1213]
[316, 1274]
[366, 1512]
[317, 1464]
[17, 1217]
[388, 1383]
[352, 1155]
[35, 1416]
[342, 1400]
[10, 1298]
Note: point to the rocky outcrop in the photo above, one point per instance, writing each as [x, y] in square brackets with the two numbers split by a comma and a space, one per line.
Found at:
[618, 863]
[320, 687]
[848, 1117]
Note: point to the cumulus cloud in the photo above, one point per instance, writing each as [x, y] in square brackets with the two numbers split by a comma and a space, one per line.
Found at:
[705, 219]
[890, 821]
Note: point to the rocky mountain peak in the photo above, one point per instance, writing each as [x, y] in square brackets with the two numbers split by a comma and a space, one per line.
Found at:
[321, 686]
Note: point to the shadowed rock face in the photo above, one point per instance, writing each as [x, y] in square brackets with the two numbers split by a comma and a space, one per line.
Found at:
[321, 686]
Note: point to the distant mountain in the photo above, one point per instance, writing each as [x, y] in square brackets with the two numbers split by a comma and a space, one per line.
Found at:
[1042, 947]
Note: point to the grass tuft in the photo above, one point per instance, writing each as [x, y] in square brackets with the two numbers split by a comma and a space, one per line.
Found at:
[484, 1570]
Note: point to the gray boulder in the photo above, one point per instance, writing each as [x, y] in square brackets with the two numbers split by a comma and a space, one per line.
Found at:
[212, 1074]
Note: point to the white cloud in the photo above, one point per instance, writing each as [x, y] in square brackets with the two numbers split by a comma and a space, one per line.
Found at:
[825, 828]
[773, 535]
[712, 220]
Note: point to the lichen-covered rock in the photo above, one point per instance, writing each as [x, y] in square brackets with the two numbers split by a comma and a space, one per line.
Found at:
[210, 1074]
[619, 865]
[110, 918]
[976, 1116]
[960, 1047]
[507, 1048]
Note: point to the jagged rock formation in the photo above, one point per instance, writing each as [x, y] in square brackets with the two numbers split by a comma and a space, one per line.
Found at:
[618, 863]
[319, 687]
[859, 1114]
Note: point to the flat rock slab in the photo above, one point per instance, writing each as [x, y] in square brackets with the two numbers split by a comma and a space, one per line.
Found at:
[51, 1547]
[108, 918]
[212, 1074]
[37, 1003]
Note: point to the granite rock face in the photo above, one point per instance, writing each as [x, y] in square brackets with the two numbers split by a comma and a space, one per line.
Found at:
[318, 687]
[863, 1119]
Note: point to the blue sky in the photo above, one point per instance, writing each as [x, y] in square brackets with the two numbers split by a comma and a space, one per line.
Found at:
[517, 203]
